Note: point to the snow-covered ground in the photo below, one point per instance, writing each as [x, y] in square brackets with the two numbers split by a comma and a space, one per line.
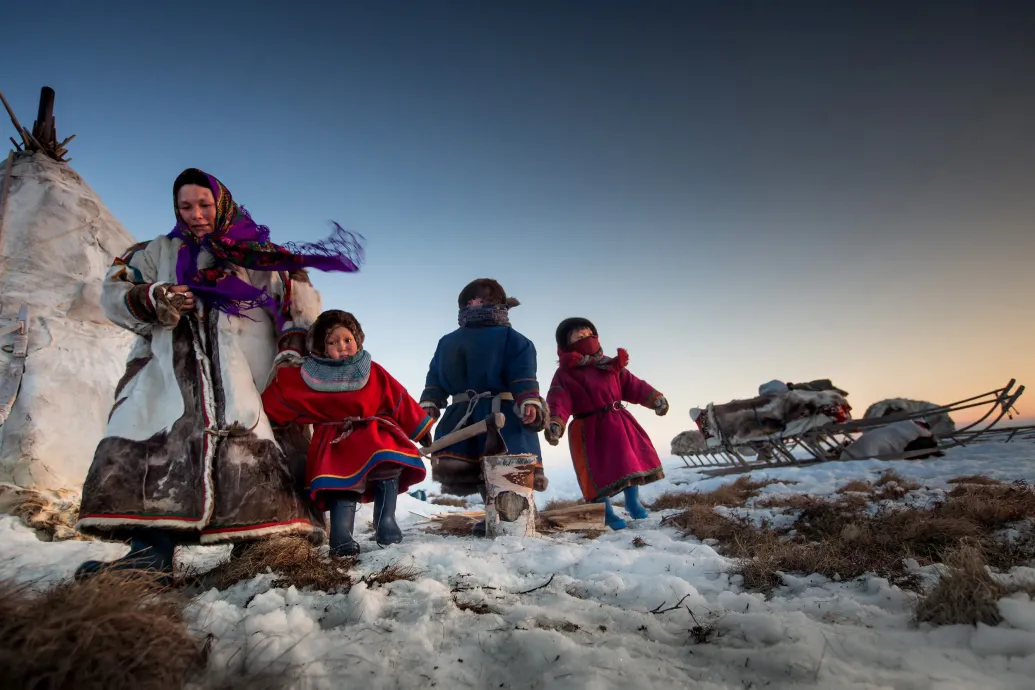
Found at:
[591, 626]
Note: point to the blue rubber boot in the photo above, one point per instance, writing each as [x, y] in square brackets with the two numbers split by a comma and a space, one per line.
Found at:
[610, 519]
[632, 503]
[343, 520]
[149, 550]
[386, 528]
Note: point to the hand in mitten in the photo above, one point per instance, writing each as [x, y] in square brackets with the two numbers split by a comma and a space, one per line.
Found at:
[661, 406]
[169, 304]
[553, 433]
[431, 409]
[532, 416]
[425, 440]
[540, 482]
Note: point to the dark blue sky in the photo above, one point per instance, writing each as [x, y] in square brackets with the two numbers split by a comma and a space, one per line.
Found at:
[733, 191]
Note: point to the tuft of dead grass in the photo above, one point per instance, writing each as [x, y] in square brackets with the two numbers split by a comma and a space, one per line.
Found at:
[732, 495]
[295, 561]
[889, 486]
[855, 486]
[981, 479]
[52, 514]
[448, 501]
[843, 538]
[639, 542]
[966, 594]
[116, 630]
[457, 525]
[393, 572]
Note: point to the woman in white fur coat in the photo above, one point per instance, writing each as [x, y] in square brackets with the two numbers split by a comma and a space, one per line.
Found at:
[189, 456]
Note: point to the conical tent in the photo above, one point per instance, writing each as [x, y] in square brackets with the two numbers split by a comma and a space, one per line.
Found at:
[57, 241]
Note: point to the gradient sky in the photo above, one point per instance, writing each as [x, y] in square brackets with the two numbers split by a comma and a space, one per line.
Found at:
[734, 192]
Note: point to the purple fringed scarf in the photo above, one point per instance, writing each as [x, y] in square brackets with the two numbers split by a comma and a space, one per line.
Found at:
[238, 240]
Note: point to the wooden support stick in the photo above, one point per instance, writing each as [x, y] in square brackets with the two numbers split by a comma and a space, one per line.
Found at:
[492, 423]
[14, 120]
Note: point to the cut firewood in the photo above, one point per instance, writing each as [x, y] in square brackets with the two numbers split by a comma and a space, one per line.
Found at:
[586, 516]
[578, 518]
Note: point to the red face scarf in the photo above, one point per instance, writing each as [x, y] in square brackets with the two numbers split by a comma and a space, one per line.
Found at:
[587, 352]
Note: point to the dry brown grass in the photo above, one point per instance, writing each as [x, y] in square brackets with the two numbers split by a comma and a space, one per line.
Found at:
[393, 572]
[974, 479]
[786, 501]
[448, 501]
[295, 561]
[967, 594]
[889, 486]
[842, 538]
[732, 495]
[113, 631]
[855, 486]
[52, 514]
[457, 525]
[892, 485]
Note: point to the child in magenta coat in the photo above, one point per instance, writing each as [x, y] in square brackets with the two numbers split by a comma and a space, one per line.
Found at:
[610, 450]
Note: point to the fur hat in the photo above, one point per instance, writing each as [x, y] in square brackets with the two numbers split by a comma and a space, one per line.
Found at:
[569, 325]
[327, 322]
[489, 290]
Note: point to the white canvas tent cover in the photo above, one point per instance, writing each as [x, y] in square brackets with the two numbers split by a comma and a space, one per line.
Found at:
[57, 240]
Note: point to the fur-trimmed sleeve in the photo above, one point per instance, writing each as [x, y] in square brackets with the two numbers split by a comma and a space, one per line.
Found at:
[559, 400]
[637, 391]
[302, 305]
[127, 294]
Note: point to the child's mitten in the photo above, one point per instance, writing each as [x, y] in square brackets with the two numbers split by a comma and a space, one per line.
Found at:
[540, 482]
[553, 433]
[661, 406]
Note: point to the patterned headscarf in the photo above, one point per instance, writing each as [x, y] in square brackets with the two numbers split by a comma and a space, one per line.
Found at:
[238, 241]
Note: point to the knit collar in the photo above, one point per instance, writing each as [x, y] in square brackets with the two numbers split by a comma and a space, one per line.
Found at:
[337, 375]
[485, 315]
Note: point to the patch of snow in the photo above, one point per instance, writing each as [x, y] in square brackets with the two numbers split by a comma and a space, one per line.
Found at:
[592, 626]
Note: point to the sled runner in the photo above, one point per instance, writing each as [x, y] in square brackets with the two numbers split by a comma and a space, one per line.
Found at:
[816, 435]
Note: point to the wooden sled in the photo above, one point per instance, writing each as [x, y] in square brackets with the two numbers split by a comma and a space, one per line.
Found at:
[825, 443]
[11, 377]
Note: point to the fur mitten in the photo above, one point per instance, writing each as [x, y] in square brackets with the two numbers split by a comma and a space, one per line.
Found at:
[553, 433]
[661, 406]
[168, 305]
[540, 482]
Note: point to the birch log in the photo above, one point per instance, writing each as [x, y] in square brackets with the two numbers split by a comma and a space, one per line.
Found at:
[509, 504]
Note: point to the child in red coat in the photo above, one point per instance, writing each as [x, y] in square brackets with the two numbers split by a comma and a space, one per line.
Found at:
[364, 425]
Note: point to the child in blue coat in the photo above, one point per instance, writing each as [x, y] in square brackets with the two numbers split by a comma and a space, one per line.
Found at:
[482, 367]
